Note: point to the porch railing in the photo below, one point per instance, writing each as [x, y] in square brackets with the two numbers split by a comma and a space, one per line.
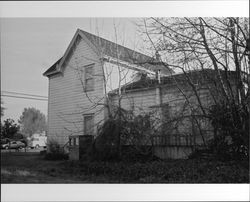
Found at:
[174, 140]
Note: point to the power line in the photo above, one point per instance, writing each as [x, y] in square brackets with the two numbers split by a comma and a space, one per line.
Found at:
[25, 97]
[9, 92]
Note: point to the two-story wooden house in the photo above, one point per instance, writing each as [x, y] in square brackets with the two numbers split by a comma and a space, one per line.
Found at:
[79, 83]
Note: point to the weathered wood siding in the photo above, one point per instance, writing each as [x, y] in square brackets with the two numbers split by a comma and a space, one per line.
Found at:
[178, 103]
[138, 100]
[175, 139]
[67, 99]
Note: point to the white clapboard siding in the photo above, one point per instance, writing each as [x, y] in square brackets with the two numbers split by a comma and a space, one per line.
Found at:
[144, 100]
[140, 101]
[67, 100]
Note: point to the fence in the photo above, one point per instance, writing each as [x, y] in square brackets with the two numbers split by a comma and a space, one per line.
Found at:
[176, 146]
[174, 140]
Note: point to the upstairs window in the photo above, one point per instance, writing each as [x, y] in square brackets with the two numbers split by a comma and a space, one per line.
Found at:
[89, 124]
[89, 77]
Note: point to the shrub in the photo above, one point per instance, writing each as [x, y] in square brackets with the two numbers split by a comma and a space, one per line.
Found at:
[137, 133]
[55, 152]
[9, 128]
[231, 124]
[106, 144]
[127, 129]
[53, 146]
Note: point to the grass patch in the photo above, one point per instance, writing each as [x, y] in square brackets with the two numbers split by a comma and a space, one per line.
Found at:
[35, 169]
[176, 171]
[56, 156]
[16, 172]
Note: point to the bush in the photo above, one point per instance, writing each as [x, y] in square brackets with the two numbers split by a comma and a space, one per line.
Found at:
[105, 146]
[53, 146]
[9, 128]
[115, 133]
[231, 124]
[55, 152]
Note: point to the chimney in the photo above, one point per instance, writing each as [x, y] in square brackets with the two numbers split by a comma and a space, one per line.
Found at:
[157, 56]
[158, 76]
[143, 76]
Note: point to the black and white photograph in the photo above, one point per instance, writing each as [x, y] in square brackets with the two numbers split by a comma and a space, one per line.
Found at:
[125, 100]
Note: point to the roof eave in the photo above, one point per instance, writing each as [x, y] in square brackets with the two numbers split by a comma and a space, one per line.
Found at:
[48, 74]
[112, 60]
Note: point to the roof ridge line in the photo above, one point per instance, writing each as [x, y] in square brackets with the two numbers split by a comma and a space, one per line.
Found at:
[116, 44]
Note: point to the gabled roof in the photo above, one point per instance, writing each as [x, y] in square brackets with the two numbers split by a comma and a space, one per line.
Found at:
[117, 51]
[111, 49]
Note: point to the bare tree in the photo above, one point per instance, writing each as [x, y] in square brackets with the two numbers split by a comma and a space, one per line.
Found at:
[202, 44]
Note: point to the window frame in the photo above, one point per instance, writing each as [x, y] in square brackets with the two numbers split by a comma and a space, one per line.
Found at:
[85, 116]
[89, 77]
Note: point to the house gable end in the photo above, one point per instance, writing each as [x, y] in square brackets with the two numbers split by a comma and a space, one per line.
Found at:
[59, 66]
[73, 47]
[103, 48]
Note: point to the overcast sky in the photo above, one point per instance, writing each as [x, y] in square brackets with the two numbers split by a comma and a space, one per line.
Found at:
[29, 46]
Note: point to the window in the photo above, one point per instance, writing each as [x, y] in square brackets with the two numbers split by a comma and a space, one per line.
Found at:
[89, 77]
[89, 125]
[73, 141]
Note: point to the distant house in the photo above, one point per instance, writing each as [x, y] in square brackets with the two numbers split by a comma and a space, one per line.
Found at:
[79, 83]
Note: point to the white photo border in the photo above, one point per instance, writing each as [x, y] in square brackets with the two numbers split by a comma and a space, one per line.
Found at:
[125, 192]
